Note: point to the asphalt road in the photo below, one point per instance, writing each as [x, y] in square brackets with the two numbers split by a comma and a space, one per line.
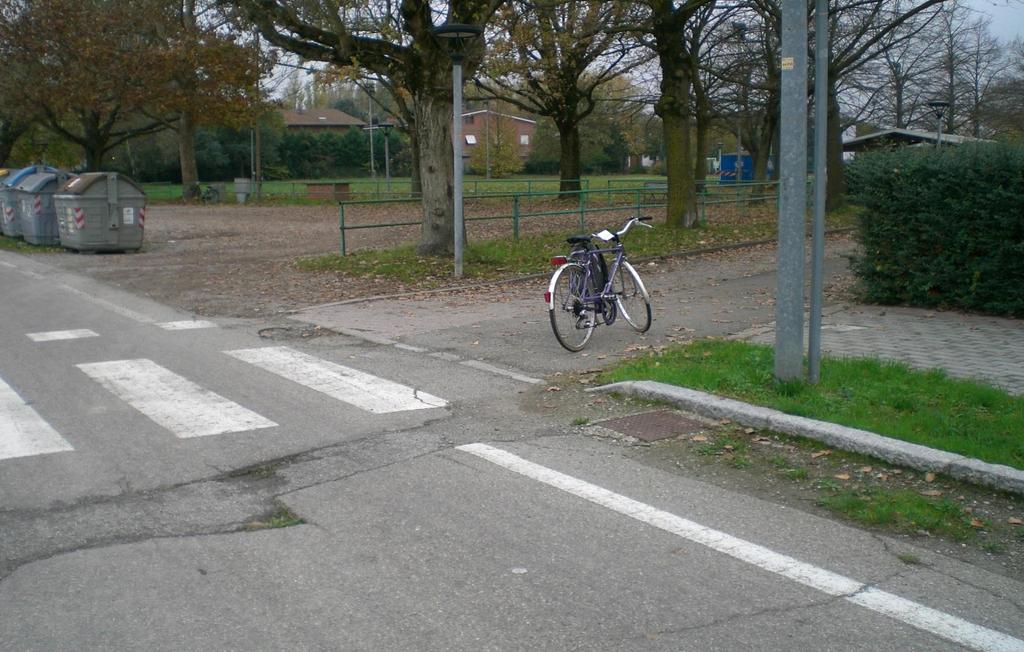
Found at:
[137, 459]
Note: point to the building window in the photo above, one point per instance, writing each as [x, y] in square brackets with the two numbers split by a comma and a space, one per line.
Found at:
[468, 119]
[524, 139]
[470, 139]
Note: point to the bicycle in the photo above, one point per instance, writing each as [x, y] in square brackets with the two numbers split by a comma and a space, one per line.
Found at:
[585, 291]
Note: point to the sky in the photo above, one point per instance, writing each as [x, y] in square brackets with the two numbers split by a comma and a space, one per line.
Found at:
[1007, 17]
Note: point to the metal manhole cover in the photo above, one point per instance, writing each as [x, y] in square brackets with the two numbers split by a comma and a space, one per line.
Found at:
[652, 426]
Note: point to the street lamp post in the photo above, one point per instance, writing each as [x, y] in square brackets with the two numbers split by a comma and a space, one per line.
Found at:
[387, 155]
[741, 31]
[939, 109]
[457, 35]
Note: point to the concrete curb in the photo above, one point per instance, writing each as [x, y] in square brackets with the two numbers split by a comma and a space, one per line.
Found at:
[850, 439]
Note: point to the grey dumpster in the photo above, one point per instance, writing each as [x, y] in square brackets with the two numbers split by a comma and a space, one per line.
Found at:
[36, 212]
[9, 224]
[101, 211]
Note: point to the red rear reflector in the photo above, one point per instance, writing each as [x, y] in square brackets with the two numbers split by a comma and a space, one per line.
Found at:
[559, 260]
[547, 297]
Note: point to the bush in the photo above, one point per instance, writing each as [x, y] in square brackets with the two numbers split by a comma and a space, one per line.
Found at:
[943, 227]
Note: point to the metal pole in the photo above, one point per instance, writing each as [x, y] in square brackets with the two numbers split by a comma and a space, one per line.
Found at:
[370, 130]
[820, 181]
[789, 306]
[487, 137]
[387, 160]
[457, 147]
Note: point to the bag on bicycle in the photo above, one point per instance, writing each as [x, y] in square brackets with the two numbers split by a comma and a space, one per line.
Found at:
[600, 268]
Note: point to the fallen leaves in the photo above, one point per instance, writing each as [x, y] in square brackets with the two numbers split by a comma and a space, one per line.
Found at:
[929, 477]
[842, 476]
[1013, 520]
[553, 388]
[931, 493]
[816, 454]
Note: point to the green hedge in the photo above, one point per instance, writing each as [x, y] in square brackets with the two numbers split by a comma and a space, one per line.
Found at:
[942, 227]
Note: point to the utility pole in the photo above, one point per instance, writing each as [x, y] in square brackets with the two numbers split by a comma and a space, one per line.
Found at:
[789, 304]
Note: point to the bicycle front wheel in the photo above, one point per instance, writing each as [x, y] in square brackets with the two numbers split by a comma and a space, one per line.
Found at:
[632, 298]
[572, 319]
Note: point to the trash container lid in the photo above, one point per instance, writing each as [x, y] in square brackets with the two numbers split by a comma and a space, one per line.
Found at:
[80, 184]
[36, 182]
[16, 176]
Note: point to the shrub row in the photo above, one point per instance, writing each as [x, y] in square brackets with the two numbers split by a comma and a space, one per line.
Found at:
[942, 228]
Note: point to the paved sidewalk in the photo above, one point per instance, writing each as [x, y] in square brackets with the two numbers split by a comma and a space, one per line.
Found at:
[965, 346]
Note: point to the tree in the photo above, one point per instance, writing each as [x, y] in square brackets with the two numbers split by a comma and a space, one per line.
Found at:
[679, 68]
[208, 77]
[551, 58]
[858, 36]
[398, 43]
[88, 85]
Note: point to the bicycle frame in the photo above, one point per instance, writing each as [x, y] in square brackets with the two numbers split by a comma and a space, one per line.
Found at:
[584, 258]
[597, 299]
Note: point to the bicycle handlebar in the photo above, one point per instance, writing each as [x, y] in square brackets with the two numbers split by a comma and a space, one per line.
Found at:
[640, 219]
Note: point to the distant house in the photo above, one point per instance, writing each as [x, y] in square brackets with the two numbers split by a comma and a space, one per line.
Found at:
[319, 120]
[902, 137]
[477, 124]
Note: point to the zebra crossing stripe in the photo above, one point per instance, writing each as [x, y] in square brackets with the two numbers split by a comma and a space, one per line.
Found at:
[51, 336]
[352, 386]
[22, 431]
[181, 406]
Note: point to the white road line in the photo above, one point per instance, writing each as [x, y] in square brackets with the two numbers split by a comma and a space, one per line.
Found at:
[22, 431]
[188, 324]
[925, 618]
[113, 307]
[51, 336]
[181, 406]
[355, 387]
[483, 366]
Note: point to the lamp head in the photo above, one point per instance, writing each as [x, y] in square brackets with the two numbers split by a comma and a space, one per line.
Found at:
[458, 36]
[939, 107]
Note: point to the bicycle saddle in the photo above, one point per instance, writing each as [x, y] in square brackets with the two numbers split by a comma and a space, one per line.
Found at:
[577, 239]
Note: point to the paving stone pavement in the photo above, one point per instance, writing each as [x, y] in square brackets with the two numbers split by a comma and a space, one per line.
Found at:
[965, 346]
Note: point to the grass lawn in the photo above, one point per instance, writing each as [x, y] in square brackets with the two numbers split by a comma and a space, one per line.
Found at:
[923, 407]
[19, 245]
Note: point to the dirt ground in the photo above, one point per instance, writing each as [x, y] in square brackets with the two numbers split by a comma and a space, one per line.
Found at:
[239, 261]
[233, 261]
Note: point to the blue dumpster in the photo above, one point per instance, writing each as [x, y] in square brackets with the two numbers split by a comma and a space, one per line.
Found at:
[728, 171]
[36, 210]
[10, 216]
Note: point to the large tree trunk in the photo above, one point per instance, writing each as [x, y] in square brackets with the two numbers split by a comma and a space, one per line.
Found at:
[10, 132]
[674, 109]
[187, 156]
[569, 158]
[434, 136]
[835, 189]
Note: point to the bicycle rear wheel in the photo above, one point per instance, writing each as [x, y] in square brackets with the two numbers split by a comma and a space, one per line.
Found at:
[631, 295]
[572, 319]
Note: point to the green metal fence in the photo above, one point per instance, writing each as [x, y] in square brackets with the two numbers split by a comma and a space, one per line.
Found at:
[524, 206]
[614, 197]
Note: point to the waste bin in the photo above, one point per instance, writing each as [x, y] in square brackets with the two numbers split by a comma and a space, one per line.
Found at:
[10, 216]
[243, 187]
[36, 212]
[8, 212]
[100, 211]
